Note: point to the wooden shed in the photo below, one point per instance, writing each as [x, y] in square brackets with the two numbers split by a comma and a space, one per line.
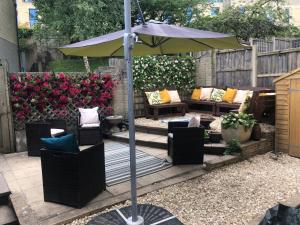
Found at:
[287, 133]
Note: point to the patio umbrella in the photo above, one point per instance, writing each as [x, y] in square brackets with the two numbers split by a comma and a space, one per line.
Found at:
[146, 39]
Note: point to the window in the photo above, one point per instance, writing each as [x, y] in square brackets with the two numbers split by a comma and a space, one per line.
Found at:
[214, 11]
[32, 17]
[27, 0]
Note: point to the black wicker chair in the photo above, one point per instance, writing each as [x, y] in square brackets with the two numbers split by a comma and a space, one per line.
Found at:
[89, 135]
[185, 144]
[73, 178]
[38, 129]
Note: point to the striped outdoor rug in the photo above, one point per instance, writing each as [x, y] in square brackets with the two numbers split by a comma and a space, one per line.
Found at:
[117, 163]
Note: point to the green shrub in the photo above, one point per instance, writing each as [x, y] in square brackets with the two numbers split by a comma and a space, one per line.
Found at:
[75, 65]
[164, 71]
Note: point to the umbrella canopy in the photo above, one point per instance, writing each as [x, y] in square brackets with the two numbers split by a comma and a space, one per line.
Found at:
[154, 38]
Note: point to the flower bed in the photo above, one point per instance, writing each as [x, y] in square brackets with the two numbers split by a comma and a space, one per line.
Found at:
[37, 96]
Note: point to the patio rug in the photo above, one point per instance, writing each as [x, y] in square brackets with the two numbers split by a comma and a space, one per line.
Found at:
[117, 164]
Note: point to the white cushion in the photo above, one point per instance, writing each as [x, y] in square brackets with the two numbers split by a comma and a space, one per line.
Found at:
[170, 135]
[240, 96]
[91, 125]
[55, 132]
[153, 97]
[206, 93]
[88, 116]
[174, 96]
[194, 122]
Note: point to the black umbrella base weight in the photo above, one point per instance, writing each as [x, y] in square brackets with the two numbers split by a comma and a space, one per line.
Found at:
[151, 214]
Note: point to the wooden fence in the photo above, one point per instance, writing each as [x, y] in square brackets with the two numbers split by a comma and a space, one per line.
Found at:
[275, 44]
[249, 68]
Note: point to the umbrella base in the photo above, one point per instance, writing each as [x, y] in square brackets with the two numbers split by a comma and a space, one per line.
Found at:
[151, 214]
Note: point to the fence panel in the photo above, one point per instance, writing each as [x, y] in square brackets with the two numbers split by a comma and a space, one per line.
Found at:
[233, 68]
[273, 64]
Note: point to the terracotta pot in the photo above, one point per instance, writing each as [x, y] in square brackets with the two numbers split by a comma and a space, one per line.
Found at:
[239, 134]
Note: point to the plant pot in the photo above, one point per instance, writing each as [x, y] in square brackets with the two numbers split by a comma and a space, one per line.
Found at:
[256, 132]
[239, 134]
[215, 137]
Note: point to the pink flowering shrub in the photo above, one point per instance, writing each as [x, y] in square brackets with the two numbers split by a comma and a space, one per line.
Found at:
[58, 93]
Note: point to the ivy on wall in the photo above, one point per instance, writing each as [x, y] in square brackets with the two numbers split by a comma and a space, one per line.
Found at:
[163, 71]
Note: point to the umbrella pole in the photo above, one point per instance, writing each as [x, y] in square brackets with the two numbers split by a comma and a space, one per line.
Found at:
[128, 45]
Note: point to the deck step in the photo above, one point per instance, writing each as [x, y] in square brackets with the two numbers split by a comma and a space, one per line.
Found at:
[151, 130]
[160, 141]
[4, 190]
[7, 216]
[144, 139]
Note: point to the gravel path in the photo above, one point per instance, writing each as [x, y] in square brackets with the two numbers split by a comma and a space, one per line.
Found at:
[231, 195]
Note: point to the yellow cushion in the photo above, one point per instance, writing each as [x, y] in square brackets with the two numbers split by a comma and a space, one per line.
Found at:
[229, 95]
[164, 96]
[196, 94]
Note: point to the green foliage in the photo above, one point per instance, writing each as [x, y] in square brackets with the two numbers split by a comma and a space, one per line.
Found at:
[163, 71]
[233, 120]
[233, 146]
[174, 10]
[262, 19]
[82, 19]
[75, 65]
[77, 19]
[23, 35]
[206, 134]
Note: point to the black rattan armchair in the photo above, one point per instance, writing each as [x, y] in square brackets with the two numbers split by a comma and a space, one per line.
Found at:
[89, 135]
[73, 178]
[38, 129]
[185, 144]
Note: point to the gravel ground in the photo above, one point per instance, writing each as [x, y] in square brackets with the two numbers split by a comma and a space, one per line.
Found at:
[231, 195]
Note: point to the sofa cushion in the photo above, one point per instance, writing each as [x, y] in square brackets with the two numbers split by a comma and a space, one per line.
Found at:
[153, 97]
[217, 95]
[164, 96]
[240, 96]
[196, 94]
[88, 116]
[206, 93]
[65, 143]
[174, 96]
[229, 95]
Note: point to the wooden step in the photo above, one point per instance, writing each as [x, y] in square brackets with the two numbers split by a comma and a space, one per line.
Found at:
[160, 141]
[4, 190]
[7, 216]
[144, 139]
[151, 130]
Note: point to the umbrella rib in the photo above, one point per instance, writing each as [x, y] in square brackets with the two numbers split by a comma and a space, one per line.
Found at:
[112, 54]
[199, 42]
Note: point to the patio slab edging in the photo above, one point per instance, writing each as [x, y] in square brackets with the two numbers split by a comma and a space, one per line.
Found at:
[99, 206]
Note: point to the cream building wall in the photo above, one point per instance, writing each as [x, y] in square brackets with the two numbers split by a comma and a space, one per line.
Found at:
[23, 13]
[8, 35]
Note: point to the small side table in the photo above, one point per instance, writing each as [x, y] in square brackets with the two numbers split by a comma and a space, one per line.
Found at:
[114, 123]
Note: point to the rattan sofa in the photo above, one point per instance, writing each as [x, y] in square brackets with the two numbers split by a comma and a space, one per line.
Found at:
[164, 109]
[73, 178]
[185, 144]
[89, 135]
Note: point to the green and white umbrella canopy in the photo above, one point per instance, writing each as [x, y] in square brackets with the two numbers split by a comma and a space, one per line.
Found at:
[154, 38]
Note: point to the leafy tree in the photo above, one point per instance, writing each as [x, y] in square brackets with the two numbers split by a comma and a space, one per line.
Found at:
[174, 11]
[77, 19]
[81, 19]
[260, 20]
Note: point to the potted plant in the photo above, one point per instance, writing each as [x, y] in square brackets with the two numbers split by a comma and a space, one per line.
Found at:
[237, 126]
[206, 137]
